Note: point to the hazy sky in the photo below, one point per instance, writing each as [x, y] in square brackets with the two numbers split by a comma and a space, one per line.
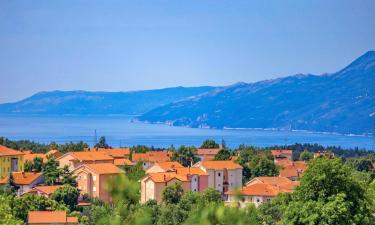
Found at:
[131, 45]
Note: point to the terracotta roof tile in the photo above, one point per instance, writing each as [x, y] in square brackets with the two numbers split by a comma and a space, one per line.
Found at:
[116, 152]
[166, 177]
[49, 217]
[22, 178]
[169, 165]
[47, 189]
[260, 189]
[123, 162]
[280, 152]
[5, 151]
[208, 151]
[31, 156]
[228, 164]
[152, 156]
[55, 153]
[90, 156]
[103, 168]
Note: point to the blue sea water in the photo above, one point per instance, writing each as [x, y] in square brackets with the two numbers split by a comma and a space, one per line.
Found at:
[121, 131]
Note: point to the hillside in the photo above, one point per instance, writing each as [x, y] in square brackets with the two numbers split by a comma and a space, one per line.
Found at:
[99, 103]
[340, 102]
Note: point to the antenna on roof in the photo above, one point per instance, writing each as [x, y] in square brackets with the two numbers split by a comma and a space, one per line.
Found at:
[95, 138]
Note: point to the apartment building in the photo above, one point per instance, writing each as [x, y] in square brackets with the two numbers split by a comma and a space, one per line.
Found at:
[92, 178]
[222, 175]
[10, 161]
[75, 159]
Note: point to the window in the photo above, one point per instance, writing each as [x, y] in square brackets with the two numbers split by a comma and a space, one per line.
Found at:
[258, 200]
[219, 174]
[94, 189]
[195, 189]
[195, 179]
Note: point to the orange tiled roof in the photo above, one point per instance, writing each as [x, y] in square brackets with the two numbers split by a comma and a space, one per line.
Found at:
[31, 156]
[279, 152]
[47, 189]
[5, 151]
[152, 156]
[166, 177]
[260, 189]
[123, 162]
[208, 151]
[292, 168]
[281, 182]
[116, 152]
[55, 153]
[169, 165]
[191, 171]
[227, 164]
[22, 178]
[103, 168]
[49, 217]
[90, 156]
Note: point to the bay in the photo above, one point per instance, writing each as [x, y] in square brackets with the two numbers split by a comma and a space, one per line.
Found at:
[122, 131]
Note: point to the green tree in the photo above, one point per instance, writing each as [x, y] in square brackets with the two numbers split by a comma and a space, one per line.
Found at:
[328, 194]
[11, 185]
[136, 172]
[306, 156]
[31, 202]
[6, 215]
[172, 194]
[185, 155]
[360, 164]
[209, 143]
[67, 176]
[102, 143]
[67, 195]
[211, 196]
[35, 165]
[51, 171]
[223, 154]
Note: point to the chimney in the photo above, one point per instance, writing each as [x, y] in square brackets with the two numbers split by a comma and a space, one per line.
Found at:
[165, 177]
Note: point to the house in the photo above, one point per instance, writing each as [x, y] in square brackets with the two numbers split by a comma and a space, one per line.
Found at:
[322, 153]
[259, 190]
[117, 153]
[75, 159]
[10, 161]
[24, 180]
[55, 153]
[50, 217]
[292, 170]
[123, 162]
[29, 156]
[279, 155]
[153, 184]
[148, 159]
[222, 175]
[164, 167]
[206, 154]
[92, 178]
[45, 191]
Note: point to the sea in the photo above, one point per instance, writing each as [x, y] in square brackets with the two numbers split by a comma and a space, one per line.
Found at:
[121, 131]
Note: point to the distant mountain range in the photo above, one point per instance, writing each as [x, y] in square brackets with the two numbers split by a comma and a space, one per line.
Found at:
[99, 103]
[342, 102]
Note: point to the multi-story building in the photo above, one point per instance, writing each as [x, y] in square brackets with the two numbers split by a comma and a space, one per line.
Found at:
[92, 178]
[10, 161]
[259, 190]
[223, 176]
[153, 184]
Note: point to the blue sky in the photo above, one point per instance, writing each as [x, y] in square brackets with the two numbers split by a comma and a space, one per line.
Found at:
[133, 45]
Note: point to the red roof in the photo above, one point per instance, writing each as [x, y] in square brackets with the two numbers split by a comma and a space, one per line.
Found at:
[227, 164]
[22, 178]
[280, 152]
[102, 168]
[208, 151]
[260, 189]
[292, 168]
[152, 156]
[5, 151]
[116, 152]
[90, 156]
[123, 162]
[50, 217]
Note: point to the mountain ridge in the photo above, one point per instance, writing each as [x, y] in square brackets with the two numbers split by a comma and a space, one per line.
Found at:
[340, 102]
